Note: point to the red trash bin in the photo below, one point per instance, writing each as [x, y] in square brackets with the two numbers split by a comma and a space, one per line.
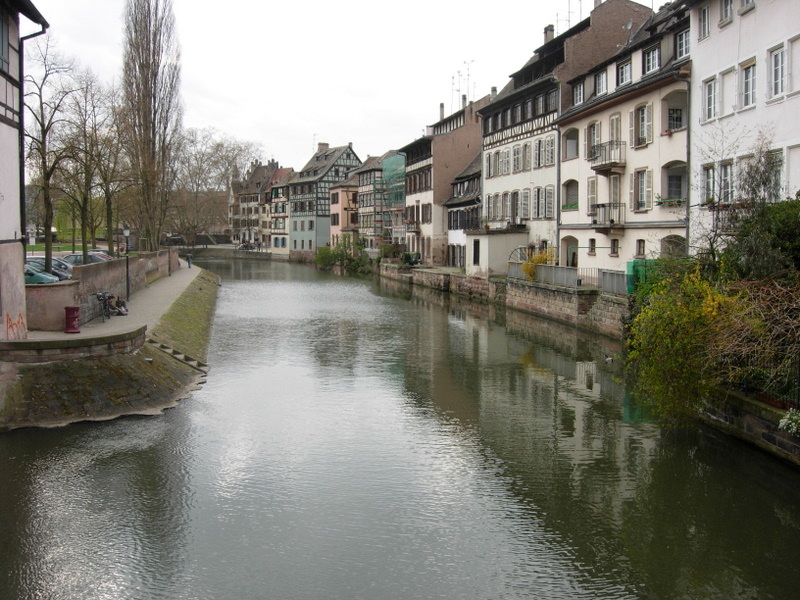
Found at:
[72, 319]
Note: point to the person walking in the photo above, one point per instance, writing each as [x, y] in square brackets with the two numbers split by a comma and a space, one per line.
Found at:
[189, 259]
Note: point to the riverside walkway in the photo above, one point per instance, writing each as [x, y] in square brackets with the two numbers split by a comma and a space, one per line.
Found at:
[145, 308]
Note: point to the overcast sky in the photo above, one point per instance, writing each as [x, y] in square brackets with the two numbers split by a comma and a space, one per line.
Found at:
[289, 75]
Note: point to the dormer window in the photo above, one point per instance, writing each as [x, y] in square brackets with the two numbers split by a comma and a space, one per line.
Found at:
[4, 41]
[624, 73]
[652, 60]
[577, 93]
[600, 86]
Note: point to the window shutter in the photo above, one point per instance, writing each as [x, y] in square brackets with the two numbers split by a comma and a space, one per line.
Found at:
[591, 195]
[648, 122]
[648, 189]
[537, 153]
[632, 192]
[548, 202]
[632, 129]
[586, 151]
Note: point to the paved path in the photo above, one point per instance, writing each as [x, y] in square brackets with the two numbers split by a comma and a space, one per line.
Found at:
[145, 307]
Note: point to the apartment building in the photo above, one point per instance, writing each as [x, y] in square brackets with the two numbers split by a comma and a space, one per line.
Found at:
[745, 88]
[624, 185]
[344, 209]
[463, 211]
[432, 162]
[520, 187]
[247, 204]
[275, 212]
[309, 191]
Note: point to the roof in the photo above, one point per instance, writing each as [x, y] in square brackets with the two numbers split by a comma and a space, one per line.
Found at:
[28, 10]
[322, 161]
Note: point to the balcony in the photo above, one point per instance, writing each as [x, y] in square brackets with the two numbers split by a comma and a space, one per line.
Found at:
[610, 215]
[608, 158]
[412, 226]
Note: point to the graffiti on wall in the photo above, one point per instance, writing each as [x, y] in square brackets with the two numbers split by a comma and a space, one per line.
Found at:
[15, 327]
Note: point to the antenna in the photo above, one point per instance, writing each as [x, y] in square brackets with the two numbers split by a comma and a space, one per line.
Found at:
[468, 63]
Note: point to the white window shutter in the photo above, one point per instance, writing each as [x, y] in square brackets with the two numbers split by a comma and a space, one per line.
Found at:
[648, 189]
[632, 193]
[648, 122]
[548, 202]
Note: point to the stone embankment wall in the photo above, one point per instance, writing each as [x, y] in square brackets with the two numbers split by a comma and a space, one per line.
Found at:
[754, 422]
[580, 307]
[106, 380]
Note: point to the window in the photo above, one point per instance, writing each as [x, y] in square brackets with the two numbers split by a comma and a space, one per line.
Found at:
[674, 118]
[777, 60]
[749, 85]
[592, 246]
[614, 247]
[726, 182]
[550, 150]
[577, 93]
[549, 196]
[614, 191]
[570, 144]
[641, 122]
[4, 41]
[709, 186]
[526, 157]
[725, 11]
[592, 140]
[642, 190]
[747, 5]
[674, 187]
[526, 204]
[652, 60]
[682, 44]
[476, 252]
[624, 73]
[489, 165]
[570, 198]
[552, 100]
[704, 23]
[516, 163]
[710, 99]
[640, 247]
[600, 86]
[505, 168]
[591, 194]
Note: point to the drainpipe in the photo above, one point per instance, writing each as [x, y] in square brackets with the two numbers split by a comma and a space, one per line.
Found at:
[22, 212]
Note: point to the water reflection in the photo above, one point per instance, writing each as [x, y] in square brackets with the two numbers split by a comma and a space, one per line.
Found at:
[363, 439]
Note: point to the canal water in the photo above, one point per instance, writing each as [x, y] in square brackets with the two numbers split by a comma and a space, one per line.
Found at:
[359, 440]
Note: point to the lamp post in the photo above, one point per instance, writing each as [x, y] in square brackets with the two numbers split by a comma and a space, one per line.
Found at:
[126, 231]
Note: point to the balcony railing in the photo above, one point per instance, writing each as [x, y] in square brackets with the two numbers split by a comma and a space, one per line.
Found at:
[609, 157]
[608, 215]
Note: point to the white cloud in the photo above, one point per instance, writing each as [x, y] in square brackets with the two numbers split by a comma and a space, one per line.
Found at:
[289, 75]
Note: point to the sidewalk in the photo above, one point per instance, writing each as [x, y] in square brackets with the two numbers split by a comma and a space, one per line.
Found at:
[145, 307]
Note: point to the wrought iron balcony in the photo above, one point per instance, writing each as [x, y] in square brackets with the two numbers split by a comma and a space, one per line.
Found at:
[610, 215]
[608, 157]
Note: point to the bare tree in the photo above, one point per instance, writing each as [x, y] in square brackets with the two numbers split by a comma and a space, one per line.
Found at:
[87, 115]
[113, 168]
[49, 88]
[151, 87]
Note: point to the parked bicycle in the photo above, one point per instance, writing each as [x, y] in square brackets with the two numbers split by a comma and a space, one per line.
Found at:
[110, 305]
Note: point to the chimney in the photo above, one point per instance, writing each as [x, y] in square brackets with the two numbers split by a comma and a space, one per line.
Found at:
[549, 33]
[463, 101]
[322, 146]
[597, 3]
[441, 111]
[494, 92]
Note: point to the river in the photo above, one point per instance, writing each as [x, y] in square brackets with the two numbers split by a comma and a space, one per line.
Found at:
[357, 440]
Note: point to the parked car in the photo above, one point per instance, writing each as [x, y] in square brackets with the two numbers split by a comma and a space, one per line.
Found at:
[76, 259]
[101, 253]
[56, 268]
[33, 275]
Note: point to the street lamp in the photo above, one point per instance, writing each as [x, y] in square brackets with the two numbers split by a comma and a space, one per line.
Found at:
[126, 231]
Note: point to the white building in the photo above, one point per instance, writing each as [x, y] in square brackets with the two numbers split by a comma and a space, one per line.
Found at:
[745, 84]
[624, 180]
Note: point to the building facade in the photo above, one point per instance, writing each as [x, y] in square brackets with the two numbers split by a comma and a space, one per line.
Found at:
[309, 190]
[745, 90]
[12, 197]
[624, 185]
[432, 162]
[521, 150]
